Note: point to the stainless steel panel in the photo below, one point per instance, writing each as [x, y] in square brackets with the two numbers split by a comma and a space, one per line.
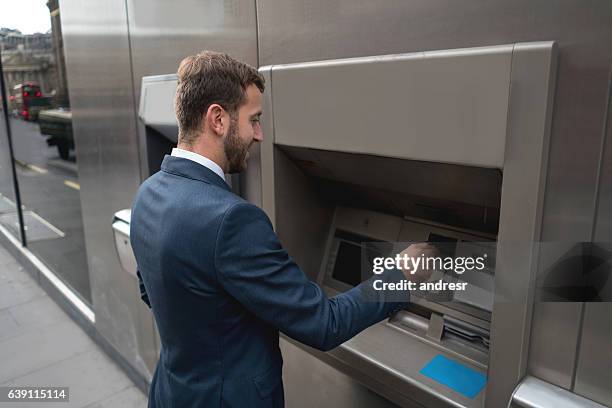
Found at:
[300, 213]
[267, 151]
[308, 380]
[535, 393]
[520, 222]
[455, 99]
[389, 356]
[310, 30]
[602, 228]
[98, 69]
[593, 377]
[554, 337]
[162, 33]
[385, 362]
[369, 223]
[250, 181]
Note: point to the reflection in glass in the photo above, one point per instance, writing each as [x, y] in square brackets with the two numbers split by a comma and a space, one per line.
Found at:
[44, 149]
[9, 202]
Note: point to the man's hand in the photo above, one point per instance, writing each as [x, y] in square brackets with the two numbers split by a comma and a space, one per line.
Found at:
[421, 250]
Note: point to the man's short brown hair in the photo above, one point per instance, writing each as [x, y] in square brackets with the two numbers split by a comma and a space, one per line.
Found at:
[206, 78]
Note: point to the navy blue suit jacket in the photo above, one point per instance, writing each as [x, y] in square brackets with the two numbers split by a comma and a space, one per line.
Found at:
[221, 286]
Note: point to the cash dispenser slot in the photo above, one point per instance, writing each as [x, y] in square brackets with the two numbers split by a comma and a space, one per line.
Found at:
[466, 331]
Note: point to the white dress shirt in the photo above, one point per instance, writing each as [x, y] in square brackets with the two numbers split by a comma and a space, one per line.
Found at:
[198, 158]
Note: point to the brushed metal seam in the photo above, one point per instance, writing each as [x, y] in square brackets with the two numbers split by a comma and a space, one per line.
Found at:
[133, 88]
[594, 221]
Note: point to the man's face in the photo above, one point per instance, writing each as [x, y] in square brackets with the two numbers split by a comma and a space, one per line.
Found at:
[244, 130]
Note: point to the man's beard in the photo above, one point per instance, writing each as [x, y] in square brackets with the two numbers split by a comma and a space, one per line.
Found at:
[235, 148]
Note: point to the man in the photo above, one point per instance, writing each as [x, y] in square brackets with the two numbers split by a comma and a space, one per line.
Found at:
[211, 267]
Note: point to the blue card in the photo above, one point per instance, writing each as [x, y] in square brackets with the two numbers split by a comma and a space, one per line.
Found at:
[454, 375]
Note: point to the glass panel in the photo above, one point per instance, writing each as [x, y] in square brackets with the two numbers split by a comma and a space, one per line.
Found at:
[43, 144]
[11, 215]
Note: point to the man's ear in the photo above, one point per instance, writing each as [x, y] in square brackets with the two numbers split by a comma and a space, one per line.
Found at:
[216, 119]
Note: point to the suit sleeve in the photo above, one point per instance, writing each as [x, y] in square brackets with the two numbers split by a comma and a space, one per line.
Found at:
[254, 268]
[143, 291]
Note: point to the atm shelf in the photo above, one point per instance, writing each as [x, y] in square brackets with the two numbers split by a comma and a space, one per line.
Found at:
[388, 360]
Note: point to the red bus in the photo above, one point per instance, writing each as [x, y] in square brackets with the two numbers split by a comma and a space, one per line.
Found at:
[28, 100]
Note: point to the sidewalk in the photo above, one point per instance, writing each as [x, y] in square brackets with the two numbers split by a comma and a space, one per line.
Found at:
[41, 346]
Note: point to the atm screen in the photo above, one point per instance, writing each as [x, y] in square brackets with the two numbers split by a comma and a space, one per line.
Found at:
[347, 268]
[349, 264]
[446, 245]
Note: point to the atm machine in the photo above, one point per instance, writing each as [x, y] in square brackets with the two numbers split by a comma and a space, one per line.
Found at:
[442, 146]
[157, 127]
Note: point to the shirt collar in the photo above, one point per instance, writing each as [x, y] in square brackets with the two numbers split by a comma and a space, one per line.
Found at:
[198, 158]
